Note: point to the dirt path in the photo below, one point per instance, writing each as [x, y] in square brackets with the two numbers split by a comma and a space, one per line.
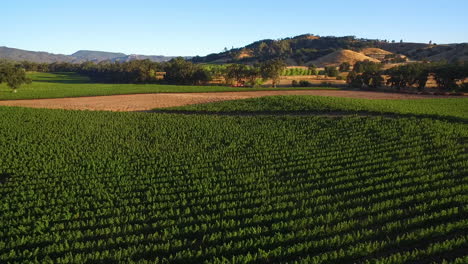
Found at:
[142, 102]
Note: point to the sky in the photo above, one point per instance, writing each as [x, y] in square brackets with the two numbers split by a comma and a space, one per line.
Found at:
[201, 27]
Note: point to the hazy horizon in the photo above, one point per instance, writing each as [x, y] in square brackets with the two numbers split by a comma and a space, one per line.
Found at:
[178, 28]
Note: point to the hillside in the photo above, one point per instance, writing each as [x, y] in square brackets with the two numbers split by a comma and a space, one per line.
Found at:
[77, 57]
[340, 56]
[306, 49]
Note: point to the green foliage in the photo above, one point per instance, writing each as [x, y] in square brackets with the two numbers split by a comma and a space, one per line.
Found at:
[409, 75]
[180, 71]
[345, 67]
[58, 85]
[367, 66]
[101, 187]
[313, 70]
[13, 75]
[454, 108]
[331, 71]
[301, 83]
[236, 73]
[272, 70]
[298, 72]
[366, 74]
[449, 76]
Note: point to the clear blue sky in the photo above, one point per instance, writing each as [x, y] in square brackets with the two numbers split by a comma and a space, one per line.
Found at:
[200, 27]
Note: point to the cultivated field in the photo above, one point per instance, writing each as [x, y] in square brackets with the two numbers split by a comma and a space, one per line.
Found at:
[283, 179]
[142, 102]
[53, 85]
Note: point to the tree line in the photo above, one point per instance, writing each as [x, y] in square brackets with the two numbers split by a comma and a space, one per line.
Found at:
[176, 71]
[448, 76]
[364, 74]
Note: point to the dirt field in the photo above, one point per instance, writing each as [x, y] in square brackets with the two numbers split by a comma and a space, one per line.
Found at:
[141, 102]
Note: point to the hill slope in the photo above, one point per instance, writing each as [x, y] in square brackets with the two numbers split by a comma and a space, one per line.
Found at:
[340, 56]
[304, 49]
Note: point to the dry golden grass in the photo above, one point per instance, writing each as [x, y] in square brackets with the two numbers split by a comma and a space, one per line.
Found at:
[340, 56]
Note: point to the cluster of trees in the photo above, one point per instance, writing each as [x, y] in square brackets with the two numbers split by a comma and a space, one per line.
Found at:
[449, 76]
[366, 74]
[180, 71]
[14, 75]
[176, 71]
[239, 74]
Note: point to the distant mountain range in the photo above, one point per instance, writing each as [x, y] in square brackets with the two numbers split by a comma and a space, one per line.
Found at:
[305, 50]
[77, 57]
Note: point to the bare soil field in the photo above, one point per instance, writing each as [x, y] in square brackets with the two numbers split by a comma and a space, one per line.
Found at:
[142, 102]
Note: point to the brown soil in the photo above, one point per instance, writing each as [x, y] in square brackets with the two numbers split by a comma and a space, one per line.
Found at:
[245, 53]
[142, 102]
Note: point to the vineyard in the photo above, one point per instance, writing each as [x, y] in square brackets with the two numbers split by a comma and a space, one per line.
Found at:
[453, 108]
[297, 72]
[59, 85]
[102, 187]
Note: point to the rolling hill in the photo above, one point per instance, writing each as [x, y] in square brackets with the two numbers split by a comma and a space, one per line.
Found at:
[311, 49]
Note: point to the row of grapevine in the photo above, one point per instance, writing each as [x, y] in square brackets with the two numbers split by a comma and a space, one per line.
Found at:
[161, 188]
[298, 72]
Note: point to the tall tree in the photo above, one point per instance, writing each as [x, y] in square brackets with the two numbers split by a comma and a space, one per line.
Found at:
[13, 75]
[272, 70]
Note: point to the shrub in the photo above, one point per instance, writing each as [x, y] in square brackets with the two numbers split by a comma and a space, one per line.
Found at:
[331, 71]
[303, 83]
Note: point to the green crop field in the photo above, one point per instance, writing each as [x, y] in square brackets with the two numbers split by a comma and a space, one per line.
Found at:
[58, 85]
[455, 108]
[296, 72]
[104, 187]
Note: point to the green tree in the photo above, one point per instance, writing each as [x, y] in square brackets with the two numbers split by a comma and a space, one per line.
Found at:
[451, 77]
[236, 73]
[409, 75]
[180, 71]
[13, 75]
[313, 69]
[331, 71]
[365, 74]
[272, 70]
[366, 65]
[345, 67]
[252, 74]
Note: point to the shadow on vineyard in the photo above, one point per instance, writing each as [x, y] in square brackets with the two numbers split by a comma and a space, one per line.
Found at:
[333, 114]
[4, 177]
